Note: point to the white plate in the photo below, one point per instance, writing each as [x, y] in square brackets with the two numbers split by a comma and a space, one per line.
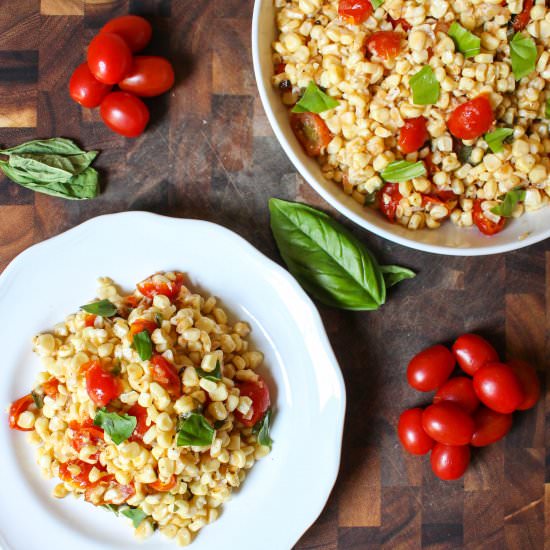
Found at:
[283, 493]
[449, 239]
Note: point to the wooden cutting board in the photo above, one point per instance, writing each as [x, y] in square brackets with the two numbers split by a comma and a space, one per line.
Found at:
[209, 153]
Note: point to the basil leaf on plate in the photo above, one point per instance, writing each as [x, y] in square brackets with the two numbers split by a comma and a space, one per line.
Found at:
[464, 153]
[523, 52]
[506, 207]
[394, 274]
[119, 427]
[467, 43]
[112, 508]
[403, 170]
[103, 308]
[214, 376]
[495, 139]
[135, 514]
[143, 345]
[262, 429]
[38, 398]
[425, 86]
[376, 3]
[314, 100]
[194, 430]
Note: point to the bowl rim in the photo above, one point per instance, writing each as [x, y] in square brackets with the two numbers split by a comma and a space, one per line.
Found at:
[338, 204]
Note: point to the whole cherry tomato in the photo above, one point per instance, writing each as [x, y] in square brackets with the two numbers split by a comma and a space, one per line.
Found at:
[529, 381]
[259, 393]
[16, 408]
[124, 114]
[101, 385]
[149, 76]
[449, 462]
[135, 30]
[498, 387]
[164, 373]
[389, 200]
[85, 88]
[490, 426]
[109, 58]
[448, 423]
[384, 44]
[413, 135]
[429, 369]
[521, 20]
[311, 131]
[140, 414]
[355, 11]
[150, 287]
[471, 119]
[459, 390]
[411, 433]
[483, 223]
[472, 352]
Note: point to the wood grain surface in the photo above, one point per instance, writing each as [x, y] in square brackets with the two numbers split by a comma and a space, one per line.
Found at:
[209, 153]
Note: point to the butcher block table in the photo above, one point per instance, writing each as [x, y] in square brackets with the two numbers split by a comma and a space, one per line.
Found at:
[209, 153]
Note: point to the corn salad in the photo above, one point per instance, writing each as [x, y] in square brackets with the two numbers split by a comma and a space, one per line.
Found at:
[366, 61]
[150, 406]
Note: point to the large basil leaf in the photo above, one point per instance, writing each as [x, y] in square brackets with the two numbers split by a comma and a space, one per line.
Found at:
[327, 260]
[52, 168]
[194, 430]
[55, 146]
[103, 308]
[119, 426]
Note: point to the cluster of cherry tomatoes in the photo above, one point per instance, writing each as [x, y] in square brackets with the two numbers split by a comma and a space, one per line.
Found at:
[474, 410]
[110, 61]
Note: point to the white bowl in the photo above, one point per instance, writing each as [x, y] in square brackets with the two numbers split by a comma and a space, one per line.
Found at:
[449, 239]
[284, 492]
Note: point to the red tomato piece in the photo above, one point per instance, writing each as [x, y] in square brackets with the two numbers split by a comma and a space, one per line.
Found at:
[413, 135]
[85, 88]
[484, 224]
[384, 44]
[133, 29]
[405, 25]
[132, 301]
[163, 487]
[259, 393]
[166, 375]
[389, 200]
[471, 119]
[139, 325]
[151, 288]
[521, 20]
[411, 433]
[89, 320]
[429, 369]
[102, 386]
[498, 387]
[140, 413]
[355, 11]
[150, 76]
[311, 131]
[459, 390]
[490, 426]
[472, 352]
[86, 434]
[123, 492]
[529, 381]
[448, 423]
[109, 58]
[80, 480]
[50, 387]
[450, 462]
[124, 114]
[16, 408]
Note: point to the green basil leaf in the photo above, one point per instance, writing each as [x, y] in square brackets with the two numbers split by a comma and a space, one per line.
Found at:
[49, 168]
[506, 207]
[55, 146]
[496, 138]
[467, 43]
[135, 514]
[143, 345]
[158, 319]
[119, 427]
[547, 112]
[262, 429]
[214, 376]
[523, 52]
[194, 430]
[314, 100]
[112, 508]
[425, 86]
[376, 3]
[394, 274]
[103, 308]
[328, 261]
[403, 170]
[464, 153]
[218, 424]
[38, 398]
[117, 367]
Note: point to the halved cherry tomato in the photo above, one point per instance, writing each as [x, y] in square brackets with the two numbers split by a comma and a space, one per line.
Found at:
[50, 387]
[429, 369]
[490, 426]
[471, 119]
[521, 20]
[151, 288]
[411, 433]
[89, 320]
[124, 114]
[80, 480]
[355, 11]
[16, 408]
[166, 375]
[448, 423]
[405, 25]
[460, 391]
[102, 386]
[311, 131]
[163, 487]
[86, 434]
[109, 58]
[259, 393]
[135, 30]
[529, 381]
[472, 352]
[413, 135]
[150, 76]
[85, 88]
[498, 387]
[389, 200]
[140, 413]
[139, 325]
[384, 44]
[450, 462]
[484, 224]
